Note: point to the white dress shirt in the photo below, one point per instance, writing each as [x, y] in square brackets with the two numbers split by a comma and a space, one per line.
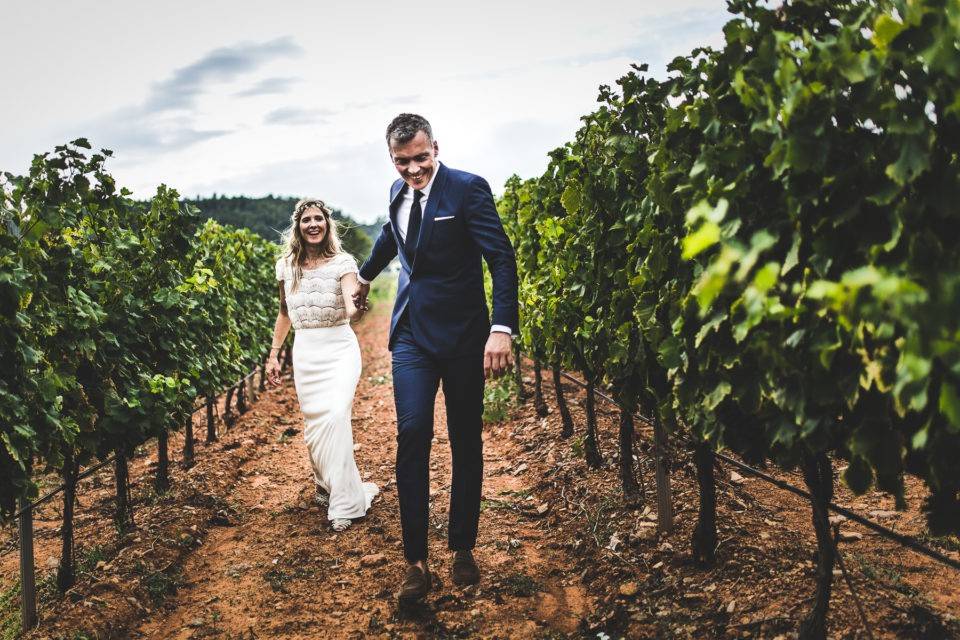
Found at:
[403, 220]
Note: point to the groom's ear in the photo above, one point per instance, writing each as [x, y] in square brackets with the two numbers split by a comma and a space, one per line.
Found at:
[436, 149]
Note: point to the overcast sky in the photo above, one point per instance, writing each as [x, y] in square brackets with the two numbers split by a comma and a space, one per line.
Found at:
[292, 98]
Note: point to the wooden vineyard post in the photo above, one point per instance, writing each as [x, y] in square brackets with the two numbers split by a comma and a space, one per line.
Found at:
[704, 540]
[241, 397]
[188, 441]
[263, 373]
[538, 400]
[591, 448]
[123, 515]
[518, 372]
[28, 584]
[211, 424]
[628, 481]
[662, 457]
[228, 408]
[565, 417]
[252, 387]
[66, 568]
[818, 474]
[161, 481]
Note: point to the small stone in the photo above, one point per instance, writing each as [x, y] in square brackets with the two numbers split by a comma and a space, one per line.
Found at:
[883, 514]
[615, 542]
[543, 509]
[629, 589]
[850, 536]
[732, 606]
[373, 560]
[736, 478]
[837, 519]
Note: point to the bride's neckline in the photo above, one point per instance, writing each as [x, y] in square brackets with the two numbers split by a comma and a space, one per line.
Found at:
[323, 264]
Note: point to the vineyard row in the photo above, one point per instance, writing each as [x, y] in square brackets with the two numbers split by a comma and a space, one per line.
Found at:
[759, 251]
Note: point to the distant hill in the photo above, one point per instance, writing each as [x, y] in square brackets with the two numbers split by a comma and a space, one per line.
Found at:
[373, 230]
[269, 216]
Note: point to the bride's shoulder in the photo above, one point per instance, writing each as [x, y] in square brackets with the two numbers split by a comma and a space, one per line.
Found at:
[282, 266]
[346, 262]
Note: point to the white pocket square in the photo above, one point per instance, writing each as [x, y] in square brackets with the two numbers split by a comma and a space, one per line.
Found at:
[444, 218]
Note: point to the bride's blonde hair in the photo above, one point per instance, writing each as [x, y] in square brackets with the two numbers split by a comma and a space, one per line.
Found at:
[295, 248]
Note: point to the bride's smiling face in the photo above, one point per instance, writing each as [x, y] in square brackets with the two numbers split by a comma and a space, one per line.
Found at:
[313, 227]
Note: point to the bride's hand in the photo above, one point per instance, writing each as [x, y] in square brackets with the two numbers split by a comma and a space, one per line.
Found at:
[273, 371]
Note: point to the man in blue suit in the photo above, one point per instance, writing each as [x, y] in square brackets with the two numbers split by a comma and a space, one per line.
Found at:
[442, 222]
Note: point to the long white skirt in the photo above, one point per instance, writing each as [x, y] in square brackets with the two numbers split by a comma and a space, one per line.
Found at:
[326, 369]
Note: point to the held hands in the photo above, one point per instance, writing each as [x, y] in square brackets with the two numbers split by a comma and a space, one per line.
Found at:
[360, 297]
[273, 370]
[497, 356]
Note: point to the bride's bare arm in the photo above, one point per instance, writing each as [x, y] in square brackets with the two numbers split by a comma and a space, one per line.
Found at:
[280, 329]
[349, 285]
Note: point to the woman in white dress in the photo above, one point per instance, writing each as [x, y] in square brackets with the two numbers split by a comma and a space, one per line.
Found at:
[317, 281]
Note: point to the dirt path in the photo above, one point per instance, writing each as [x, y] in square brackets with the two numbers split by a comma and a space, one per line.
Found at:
[237, 549]
[279, 571]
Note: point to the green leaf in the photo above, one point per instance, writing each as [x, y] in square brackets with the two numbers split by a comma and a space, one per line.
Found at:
[914, 159]
[571, 198]
[703, 210]
[950, 405]
[885, 29]
[700, 240]
[715, 397]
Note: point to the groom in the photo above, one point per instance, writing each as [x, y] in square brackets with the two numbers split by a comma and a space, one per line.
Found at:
[442, 221]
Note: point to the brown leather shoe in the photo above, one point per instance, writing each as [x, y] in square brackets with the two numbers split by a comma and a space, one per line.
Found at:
[464, 571]
[416, 585]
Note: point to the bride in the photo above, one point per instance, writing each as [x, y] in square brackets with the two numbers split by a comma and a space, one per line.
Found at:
[317, 280]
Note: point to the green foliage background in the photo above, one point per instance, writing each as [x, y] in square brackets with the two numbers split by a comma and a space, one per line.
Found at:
[268, 217]
[115, 314]
[761, 248]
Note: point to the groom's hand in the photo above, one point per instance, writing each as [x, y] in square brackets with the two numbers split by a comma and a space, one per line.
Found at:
[360, 296]
[497, 356]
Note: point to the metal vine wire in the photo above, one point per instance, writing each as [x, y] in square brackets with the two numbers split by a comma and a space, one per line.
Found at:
[884, 532]
[100, 465]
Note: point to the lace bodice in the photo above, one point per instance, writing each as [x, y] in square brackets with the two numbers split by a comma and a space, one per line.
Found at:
[318, 300]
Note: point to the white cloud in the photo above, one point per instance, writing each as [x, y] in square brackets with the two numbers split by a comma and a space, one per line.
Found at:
[293, 98]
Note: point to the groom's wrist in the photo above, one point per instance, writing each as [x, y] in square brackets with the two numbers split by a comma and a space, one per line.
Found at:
[362, 280]
[500, 328]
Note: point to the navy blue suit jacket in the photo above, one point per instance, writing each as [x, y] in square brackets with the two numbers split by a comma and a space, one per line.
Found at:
[442, 289]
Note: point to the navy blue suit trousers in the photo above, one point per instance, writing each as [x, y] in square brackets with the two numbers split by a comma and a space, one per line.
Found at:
[416, 377]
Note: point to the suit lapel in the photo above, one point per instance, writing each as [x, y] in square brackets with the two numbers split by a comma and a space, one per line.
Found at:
[395, 200]
[426, 226]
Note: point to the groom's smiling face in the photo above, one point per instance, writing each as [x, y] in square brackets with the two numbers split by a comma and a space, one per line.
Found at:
[415, 160]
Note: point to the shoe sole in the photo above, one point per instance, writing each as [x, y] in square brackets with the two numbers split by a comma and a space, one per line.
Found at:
[466, 583]
[406, 600]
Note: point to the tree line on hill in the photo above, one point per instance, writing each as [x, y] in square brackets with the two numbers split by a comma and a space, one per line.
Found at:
[269, 216]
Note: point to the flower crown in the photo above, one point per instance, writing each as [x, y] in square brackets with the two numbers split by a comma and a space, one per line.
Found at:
[320, 204]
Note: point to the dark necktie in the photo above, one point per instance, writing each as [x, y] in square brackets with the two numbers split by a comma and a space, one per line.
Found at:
[413, 226]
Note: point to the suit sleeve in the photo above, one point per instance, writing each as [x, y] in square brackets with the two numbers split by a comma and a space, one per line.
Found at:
[484, 226]
[384, 250]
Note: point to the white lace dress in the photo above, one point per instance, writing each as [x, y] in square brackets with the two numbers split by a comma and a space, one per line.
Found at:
[326, 369]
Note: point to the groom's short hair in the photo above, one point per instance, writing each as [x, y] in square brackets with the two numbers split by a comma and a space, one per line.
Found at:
[405, 126]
